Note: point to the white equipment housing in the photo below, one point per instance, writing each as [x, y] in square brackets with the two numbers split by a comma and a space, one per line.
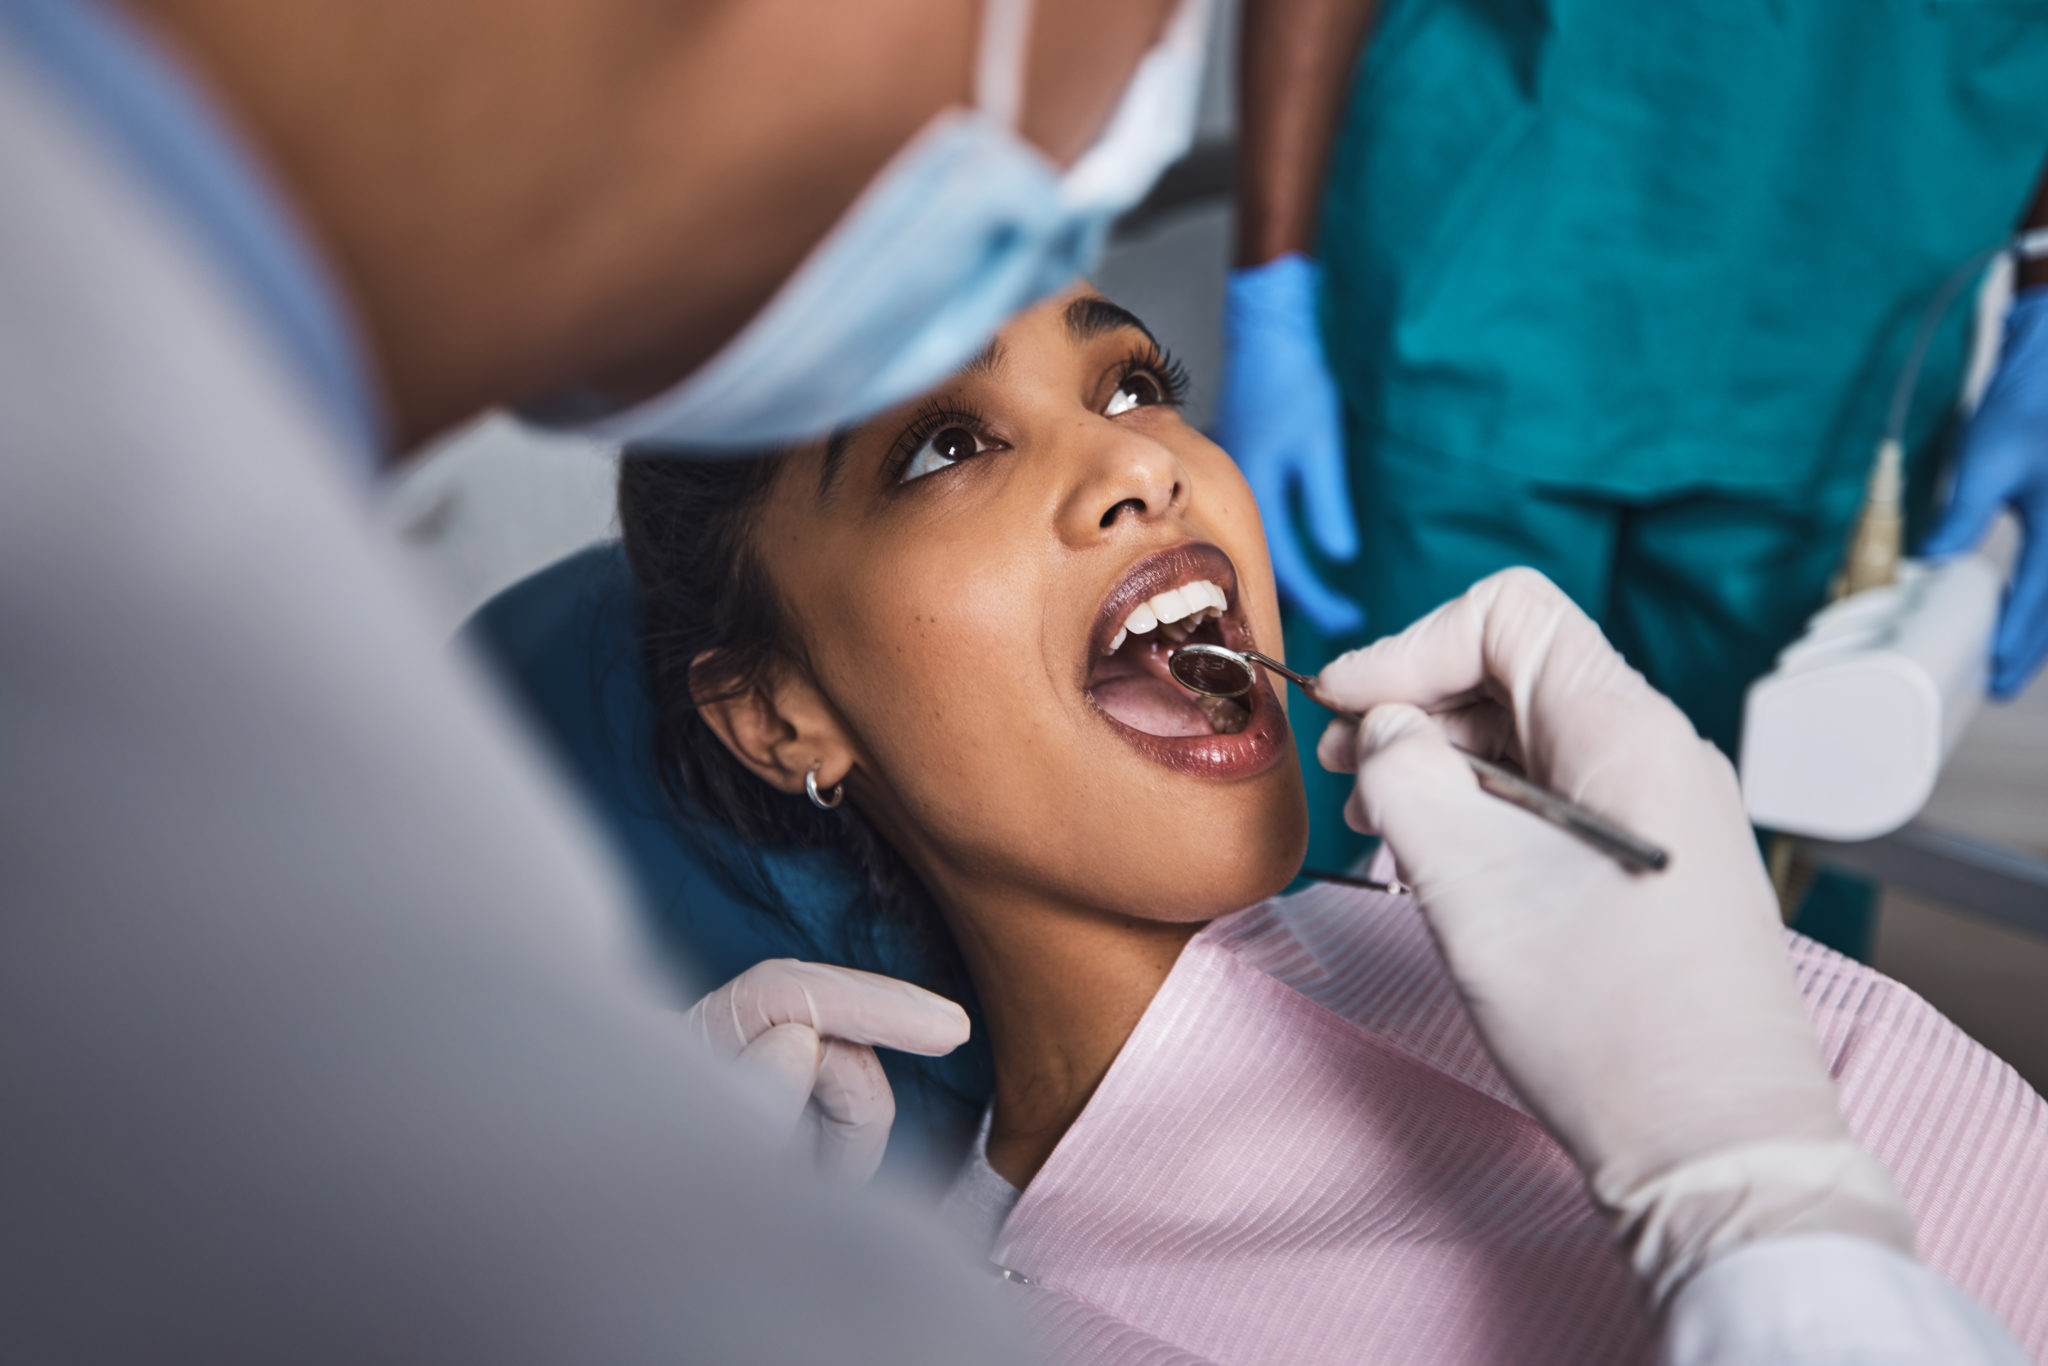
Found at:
[1844, 739]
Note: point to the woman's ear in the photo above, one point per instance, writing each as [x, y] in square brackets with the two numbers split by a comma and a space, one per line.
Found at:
[782, 728]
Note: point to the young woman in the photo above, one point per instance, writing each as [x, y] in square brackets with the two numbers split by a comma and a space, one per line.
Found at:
[1246, 1134]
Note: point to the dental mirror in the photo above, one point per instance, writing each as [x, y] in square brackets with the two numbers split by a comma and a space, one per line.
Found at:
[1212, 670]
[1218, 671]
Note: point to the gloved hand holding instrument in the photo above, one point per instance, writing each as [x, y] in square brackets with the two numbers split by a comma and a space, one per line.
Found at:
[1649, 1019]
[1280, 418]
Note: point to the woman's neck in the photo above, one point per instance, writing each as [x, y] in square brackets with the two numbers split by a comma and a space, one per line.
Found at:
[1062, 990]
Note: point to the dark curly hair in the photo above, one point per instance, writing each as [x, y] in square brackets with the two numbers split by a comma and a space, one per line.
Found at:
[712, 627]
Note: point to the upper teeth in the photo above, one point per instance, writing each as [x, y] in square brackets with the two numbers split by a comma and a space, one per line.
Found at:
[1191, 602]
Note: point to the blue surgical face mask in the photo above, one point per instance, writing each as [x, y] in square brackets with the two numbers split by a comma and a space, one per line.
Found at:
[965, 226]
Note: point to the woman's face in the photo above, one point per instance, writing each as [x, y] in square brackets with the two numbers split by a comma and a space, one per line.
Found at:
[986, 585]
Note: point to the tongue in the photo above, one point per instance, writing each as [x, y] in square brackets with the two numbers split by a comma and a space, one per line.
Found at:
[1153, 705]
[1133, 686]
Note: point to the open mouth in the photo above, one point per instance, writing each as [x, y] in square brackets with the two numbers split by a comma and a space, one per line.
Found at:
[1131, 683]
[1181, 596]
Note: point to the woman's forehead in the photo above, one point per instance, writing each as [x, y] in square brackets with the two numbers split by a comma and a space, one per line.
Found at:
[1071, 319]
[1067, 321]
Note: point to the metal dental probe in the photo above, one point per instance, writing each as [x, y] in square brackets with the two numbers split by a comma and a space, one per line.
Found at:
[1218, 671]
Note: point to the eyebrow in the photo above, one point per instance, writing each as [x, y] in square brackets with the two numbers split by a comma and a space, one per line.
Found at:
[987, 362]
[1090, 317]
[835, 461]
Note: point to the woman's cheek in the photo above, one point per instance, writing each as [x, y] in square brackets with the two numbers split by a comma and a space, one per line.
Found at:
[1223, 500]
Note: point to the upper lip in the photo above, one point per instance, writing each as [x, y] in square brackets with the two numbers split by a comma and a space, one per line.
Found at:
[1155, 574]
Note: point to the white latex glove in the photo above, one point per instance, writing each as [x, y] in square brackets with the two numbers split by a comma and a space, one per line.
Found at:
[807, 1033]
[1650, 1020]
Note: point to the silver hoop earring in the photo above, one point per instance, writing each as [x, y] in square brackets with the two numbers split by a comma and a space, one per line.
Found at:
[823, 803]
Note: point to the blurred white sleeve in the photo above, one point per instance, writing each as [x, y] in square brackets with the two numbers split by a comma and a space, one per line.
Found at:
[1829, 1300]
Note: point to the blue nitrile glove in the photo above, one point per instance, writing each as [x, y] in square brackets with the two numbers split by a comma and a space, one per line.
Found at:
[2004, 463]
[1279, 415]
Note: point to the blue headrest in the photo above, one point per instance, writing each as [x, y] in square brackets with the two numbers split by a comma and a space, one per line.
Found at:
[566, 642]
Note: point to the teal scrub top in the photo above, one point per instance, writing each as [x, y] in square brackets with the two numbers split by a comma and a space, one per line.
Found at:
[1647, 246]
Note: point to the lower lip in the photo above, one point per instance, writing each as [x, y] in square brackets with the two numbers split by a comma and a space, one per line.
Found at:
[1250, 752]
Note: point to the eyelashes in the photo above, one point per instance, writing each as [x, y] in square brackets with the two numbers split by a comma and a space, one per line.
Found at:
[1164, 367]
[934, 417]
[965, 433]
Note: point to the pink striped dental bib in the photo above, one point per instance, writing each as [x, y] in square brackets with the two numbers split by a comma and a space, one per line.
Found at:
[1303, 1155]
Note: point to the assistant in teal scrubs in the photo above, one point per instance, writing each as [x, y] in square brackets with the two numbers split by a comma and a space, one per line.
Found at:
[1619, 290]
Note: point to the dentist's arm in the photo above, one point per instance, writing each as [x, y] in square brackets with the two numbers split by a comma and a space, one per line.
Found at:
[1295, 59]
[1278, 411]
[1651, 1021]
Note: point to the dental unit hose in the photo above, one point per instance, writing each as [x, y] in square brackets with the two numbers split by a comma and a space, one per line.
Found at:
[1878, 542]
[1879, 539]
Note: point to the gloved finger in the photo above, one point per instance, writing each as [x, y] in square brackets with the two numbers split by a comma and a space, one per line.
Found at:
[1482, 727]
[854, 1108]
[1975, 502]
[836, 1002]
[1383, 867]
[1331, 613]
[1459, 651]
[1410, 781]
[1337, 751]
[783, 1064]
[2022, 640]
[1514, 637]
[1325, 487]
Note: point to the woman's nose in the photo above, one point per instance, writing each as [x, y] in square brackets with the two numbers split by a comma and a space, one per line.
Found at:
[1123, 475]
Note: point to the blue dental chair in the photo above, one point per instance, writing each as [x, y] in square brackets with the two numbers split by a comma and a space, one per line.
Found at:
[565, 644]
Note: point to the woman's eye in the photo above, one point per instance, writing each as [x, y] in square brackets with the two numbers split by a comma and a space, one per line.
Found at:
[947, 446]
[1136, 390]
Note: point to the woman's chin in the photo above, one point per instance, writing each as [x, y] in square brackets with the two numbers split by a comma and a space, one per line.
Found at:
[1220, 851]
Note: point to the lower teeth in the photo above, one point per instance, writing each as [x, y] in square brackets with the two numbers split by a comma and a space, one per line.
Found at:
[1225, 716]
